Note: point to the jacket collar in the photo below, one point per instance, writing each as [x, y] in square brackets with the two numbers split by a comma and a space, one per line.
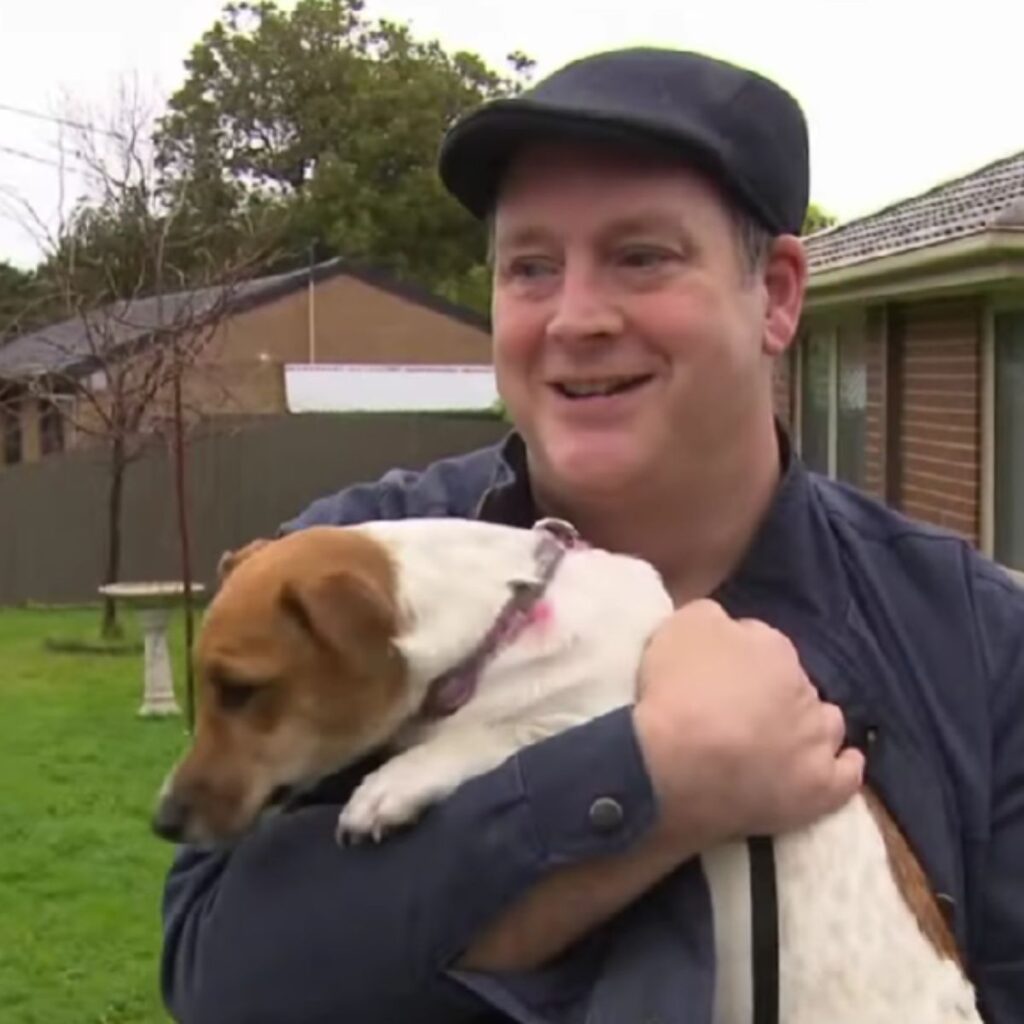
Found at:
[509, 497]
[793, 556]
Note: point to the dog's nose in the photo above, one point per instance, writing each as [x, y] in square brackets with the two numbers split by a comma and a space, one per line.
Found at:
[170, 818]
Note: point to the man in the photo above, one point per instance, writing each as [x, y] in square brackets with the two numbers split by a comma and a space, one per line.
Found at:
[643, 207]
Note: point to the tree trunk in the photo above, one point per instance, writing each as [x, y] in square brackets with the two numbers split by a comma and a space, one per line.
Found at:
[110, 628]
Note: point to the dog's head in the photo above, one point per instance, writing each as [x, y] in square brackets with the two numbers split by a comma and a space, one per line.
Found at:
[297, 675]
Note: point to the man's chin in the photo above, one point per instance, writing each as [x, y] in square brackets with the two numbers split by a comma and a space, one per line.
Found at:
[595, 475]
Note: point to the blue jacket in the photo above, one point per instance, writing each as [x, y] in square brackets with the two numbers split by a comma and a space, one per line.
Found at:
[917, 637]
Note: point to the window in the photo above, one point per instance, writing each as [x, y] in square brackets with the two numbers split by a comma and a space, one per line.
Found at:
[10, 428]
[851, 404]
[833, 401]
[51, 428]
[1008, 437]
[816, 400]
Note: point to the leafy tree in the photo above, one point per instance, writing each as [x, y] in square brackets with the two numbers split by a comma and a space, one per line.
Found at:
[22, 301]
[817, 219]
[333, 119]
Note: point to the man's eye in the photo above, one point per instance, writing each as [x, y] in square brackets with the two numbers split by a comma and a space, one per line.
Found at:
[645, 258]
[531, 268]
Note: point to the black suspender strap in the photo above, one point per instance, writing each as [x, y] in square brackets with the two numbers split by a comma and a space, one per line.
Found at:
[764, 921]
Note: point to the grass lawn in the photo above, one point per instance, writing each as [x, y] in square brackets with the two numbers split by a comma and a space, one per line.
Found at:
[80, 873]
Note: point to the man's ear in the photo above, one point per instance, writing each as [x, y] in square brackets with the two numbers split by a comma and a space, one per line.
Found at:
[230, 559]
[346, 610]
[785, 279]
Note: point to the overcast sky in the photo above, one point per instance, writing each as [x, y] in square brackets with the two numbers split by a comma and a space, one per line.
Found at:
[899, 95]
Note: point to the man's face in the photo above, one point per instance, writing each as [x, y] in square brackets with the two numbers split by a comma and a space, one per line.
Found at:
[628, 331]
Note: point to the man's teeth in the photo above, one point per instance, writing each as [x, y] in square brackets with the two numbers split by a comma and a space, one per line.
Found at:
[588, 388]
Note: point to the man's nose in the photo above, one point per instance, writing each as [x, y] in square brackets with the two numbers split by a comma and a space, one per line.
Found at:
[171, 817]
[585, 310]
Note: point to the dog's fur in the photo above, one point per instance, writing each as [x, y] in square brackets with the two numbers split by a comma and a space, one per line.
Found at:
[321, 647]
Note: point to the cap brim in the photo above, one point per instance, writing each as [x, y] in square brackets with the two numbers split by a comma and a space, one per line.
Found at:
[477, 151]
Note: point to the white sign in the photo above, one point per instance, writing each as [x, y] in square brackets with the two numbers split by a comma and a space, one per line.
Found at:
[345, 387]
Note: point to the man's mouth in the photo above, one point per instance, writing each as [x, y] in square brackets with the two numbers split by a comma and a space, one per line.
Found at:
[599, 387]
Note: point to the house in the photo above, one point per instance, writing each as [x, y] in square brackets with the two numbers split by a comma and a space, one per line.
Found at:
[333, 321]
[908, 376]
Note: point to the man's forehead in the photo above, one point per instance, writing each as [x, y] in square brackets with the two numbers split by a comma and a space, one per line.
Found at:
[543, 159]
[632, 189]
[521, 229]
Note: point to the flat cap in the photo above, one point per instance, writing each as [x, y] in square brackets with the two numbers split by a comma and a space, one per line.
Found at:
[742, 130]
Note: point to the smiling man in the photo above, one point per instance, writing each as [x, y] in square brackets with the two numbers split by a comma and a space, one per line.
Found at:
[634, 337]
[645, 207]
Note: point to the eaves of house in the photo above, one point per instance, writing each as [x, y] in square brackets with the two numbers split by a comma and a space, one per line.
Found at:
[70, 346]
[961, 236]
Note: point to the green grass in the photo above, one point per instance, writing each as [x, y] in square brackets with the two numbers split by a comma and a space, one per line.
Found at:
[80, 873]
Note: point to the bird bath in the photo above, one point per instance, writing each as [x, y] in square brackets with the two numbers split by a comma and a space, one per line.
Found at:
[153, 603]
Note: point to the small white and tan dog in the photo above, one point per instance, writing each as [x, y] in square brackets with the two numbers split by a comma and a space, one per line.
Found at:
[455, 644]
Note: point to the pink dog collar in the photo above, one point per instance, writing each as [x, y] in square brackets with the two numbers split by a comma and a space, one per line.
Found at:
[455, 687]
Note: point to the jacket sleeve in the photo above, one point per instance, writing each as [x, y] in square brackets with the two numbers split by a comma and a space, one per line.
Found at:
[999, 970]
[288, 928]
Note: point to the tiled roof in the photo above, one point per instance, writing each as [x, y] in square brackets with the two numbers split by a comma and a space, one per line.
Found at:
[66, 344]
[70, 343]
[987, 199]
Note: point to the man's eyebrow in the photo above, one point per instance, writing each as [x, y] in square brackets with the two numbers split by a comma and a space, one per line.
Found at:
[526, 235]
[655, 222]
[646, 222]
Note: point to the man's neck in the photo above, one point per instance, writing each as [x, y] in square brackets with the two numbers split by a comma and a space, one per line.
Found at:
[695, 526]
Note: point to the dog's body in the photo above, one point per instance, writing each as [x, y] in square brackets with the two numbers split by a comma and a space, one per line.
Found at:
[388, 609]
[569, 665]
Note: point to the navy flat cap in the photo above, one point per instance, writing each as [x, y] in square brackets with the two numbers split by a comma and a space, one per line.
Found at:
[741, 129]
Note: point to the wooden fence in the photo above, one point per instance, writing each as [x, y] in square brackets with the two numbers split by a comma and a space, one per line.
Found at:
[245, 478]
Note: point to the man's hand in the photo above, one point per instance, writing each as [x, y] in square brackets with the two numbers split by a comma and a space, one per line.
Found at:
[736, 738]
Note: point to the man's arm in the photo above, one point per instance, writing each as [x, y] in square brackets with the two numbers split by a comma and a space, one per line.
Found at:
[727, 737]
[999, 915]
[291, 928]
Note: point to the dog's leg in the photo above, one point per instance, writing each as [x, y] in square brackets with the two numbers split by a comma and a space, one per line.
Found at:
[400, 790]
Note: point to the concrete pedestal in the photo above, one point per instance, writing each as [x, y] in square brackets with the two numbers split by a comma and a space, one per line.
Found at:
[153, 604]
[158, 679]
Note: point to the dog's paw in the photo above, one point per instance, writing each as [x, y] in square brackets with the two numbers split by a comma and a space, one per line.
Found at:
[399, 791]
[394, 795]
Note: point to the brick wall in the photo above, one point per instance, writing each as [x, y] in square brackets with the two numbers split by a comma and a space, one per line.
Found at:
[240, 370]
[354, 323]
[939, 442]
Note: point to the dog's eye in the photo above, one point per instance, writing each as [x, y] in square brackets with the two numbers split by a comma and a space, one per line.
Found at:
[234, 696]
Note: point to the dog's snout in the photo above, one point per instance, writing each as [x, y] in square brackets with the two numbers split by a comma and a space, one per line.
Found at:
[171, 817]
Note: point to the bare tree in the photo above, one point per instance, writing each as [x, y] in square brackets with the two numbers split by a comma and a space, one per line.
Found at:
[140, 285]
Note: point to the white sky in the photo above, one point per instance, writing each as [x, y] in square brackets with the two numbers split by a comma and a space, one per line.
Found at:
[899, 94]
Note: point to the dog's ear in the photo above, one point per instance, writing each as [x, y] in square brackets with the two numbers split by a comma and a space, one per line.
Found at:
[345, 609]
[230, 559]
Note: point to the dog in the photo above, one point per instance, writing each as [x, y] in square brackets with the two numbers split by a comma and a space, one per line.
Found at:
[453, 644]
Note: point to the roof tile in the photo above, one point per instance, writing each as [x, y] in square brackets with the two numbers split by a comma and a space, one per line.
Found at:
[992, 197]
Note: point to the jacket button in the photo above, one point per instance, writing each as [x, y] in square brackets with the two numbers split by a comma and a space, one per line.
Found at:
[606, 814]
